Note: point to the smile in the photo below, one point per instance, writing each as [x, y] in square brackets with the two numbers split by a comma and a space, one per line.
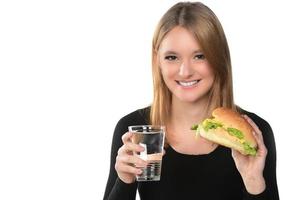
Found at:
[188, 83]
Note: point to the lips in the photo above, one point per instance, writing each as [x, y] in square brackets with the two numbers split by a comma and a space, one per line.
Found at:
[188, 83]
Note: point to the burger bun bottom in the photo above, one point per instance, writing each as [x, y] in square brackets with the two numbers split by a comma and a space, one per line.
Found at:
[220, 136]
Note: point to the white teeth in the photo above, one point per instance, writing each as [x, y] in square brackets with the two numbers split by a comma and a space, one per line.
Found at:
[188, 83]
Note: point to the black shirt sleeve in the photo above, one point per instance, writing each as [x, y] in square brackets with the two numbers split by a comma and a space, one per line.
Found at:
[115, 188]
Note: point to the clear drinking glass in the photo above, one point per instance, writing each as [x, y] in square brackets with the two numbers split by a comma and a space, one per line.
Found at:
[152, 139]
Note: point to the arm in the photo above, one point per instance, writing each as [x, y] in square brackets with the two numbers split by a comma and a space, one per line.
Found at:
[115, 188]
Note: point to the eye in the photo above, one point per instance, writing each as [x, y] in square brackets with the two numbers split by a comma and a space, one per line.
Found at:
[200, 57]
[171, 58]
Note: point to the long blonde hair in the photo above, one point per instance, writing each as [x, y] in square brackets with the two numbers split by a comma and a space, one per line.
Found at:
[205, 26]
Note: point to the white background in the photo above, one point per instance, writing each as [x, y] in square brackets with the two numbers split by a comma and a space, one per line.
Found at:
[70, 69]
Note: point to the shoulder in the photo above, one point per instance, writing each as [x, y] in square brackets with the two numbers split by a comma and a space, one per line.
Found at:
[264, 127]
[137, 117]
[259, 121]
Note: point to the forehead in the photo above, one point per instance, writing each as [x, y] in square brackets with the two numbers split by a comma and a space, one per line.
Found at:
[179, 39]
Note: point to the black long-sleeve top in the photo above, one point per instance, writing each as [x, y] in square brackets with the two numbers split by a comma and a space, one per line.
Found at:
[211, 176]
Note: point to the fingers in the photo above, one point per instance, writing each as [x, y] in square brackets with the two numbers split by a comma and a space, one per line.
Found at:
[126, 137]
[258, 136]
[262, 150]
[257, 133]
[126, 161]
[254, 126]
[132, 160]
[125, 168]
[130, 147]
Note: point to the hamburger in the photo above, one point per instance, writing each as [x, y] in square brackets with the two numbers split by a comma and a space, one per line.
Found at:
[228, 128]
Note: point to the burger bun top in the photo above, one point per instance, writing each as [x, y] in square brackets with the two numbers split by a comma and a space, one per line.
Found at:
[233, 119]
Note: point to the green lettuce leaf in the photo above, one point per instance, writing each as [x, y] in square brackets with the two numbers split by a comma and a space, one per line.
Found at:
[249, 149]
[235, 132]
[211, 124]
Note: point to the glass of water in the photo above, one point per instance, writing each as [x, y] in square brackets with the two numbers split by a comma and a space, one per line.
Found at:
[152, 139]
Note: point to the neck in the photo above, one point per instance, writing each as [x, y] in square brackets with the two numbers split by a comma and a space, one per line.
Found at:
[187, 114]
[179, 133]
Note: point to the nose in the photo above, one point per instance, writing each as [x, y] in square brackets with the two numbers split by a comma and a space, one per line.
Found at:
[185, 70]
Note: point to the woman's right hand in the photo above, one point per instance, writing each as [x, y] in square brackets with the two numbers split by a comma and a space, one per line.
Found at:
[126, 160]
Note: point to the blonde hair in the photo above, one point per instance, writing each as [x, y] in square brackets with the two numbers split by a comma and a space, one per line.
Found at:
[205, 26]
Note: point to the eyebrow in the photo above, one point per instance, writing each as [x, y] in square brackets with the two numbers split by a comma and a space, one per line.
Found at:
[174, 52]
[170, 52]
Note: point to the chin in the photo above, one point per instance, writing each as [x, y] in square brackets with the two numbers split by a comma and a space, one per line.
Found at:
[188, 99]
[191, 98]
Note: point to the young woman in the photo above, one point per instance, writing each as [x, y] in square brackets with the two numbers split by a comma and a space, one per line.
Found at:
[192, 76]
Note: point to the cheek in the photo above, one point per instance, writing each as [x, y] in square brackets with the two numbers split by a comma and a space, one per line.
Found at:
[210, 77]
[168, 71]
[211, 80]
[208, 74]
[207, 71]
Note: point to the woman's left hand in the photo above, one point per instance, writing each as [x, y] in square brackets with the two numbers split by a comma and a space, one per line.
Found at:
[251, 167]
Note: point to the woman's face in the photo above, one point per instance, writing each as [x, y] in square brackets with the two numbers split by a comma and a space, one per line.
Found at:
[184, 67]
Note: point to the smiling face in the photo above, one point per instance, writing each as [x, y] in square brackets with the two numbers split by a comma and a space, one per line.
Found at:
[184, 68]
